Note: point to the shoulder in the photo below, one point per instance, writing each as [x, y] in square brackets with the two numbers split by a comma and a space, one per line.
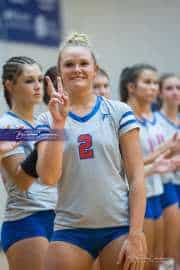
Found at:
[7, 120]
[118, 107]
[44, 119]
[122, 115]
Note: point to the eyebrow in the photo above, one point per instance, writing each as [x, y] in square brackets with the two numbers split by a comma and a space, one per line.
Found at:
[32, 76]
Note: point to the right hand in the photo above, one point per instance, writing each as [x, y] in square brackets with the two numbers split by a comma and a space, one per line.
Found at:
[6, 146]
[133, 252]
[59, 104]
[163, 164]
[175, 145]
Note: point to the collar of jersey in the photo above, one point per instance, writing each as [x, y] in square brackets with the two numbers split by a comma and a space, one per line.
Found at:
[143, 121]
[90, 114]
[168, 120]
[17, 117]
[151, 121]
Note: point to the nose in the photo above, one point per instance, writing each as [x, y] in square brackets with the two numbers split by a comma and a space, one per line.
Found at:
[77, 68]
[154, 86]
[102, 91]
[37, 85]
[176, 90]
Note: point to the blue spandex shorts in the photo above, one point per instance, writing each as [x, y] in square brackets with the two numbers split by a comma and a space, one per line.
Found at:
[91, 240]
[153, 207]
[169, 196]
[177, 187]
[36, 225]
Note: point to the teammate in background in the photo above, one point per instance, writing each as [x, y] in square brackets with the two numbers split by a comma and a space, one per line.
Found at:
[138, 88]
[168, 117]
[93, 216]
[52, 74]
[101, 85]
[30, 206]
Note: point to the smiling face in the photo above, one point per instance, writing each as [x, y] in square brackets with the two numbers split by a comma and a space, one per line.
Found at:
[146, 86]
[170, 91]
[27, 89]
[77, 68]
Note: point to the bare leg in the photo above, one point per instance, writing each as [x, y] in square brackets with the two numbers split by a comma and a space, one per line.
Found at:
[65, 256]
[96, 265]
[28, 254]
[159, 241]
[108, 256]
[150, 234]
[171, 232]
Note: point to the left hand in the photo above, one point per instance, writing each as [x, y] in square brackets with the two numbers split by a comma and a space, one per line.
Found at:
[133, 252]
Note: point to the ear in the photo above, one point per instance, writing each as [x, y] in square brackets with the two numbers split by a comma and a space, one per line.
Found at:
[131, 87]
[9, 85]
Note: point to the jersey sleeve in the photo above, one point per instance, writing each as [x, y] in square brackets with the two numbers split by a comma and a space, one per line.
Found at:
[127, 119]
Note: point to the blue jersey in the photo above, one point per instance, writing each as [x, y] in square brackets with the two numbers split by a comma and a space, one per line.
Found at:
[38, 197]
[93, 191]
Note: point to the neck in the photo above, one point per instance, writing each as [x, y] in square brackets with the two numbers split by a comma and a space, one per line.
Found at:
[24, 112]
[81, 102]
[170, 111]
[140, 108]
[81, 99]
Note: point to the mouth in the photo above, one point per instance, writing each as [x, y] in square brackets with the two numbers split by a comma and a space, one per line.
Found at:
[37, 94]
[77, 78]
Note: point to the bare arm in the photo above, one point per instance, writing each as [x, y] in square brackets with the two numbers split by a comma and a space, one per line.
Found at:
[50, 153]
[159, 150]
[134, 168]
[162, 164]
[6, 146]
[49, 163]
[172, 145]
[13, 169]
[134, 247]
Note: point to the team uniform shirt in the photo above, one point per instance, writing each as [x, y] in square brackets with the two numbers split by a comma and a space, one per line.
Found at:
[93, 192]
[151, 135]
[38, 197]
[170, 129]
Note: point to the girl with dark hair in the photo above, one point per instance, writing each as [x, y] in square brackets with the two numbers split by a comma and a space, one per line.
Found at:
[29, 213]
[138, 88]
[101, 85]
[52, 74]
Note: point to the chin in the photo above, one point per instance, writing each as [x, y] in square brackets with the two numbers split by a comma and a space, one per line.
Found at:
[37, 101]
[78, 87]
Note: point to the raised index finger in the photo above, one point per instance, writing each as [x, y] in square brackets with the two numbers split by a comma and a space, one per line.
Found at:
[60, 86]
[50, 87]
